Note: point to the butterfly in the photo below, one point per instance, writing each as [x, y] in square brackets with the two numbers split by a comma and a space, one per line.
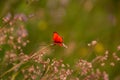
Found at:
[58, 40]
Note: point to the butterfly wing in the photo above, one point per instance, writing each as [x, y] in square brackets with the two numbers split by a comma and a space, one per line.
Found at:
[57, 38]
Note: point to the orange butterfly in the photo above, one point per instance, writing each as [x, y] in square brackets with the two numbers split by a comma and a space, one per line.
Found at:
[58, 39]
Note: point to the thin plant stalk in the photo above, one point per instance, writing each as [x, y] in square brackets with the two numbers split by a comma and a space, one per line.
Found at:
[22, 62]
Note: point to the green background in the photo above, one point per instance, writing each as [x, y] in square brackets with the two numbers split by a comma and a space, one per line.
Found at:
[78, 21]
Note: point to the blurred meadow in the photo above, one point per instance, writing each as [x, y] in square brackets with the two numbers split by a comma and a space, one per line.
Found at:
[90, 28]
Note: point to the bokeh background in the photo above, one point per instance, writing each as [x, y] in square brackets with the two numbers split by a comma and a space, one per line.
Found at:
[78, 21]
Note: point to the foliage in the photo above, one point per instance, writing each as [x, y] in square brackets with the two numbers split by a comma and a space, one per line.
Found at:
[90, 29]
